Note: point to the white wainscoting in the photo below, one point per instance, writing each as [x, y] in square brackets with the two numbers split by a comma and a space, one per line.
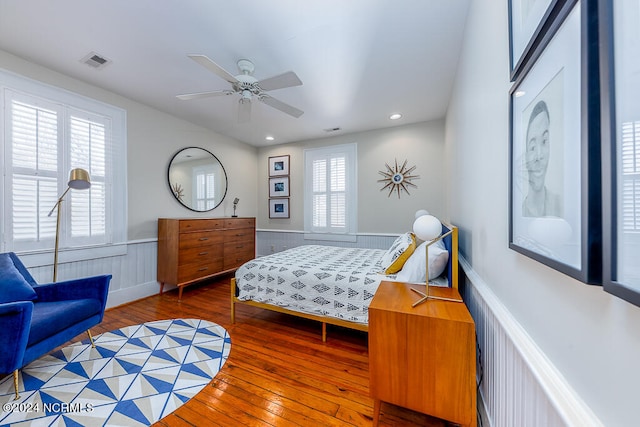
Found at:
[271, 241]
[520, 386]
[133, 271]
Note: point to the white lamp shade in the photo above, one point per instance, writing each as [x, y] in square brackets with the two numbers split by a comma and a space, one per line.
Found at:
[79, 179]
[427, 227]
[421, 212]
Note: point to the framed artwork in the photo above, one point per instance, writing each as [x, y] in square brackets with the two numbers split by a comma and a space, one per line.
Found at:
[279, 165]
[620, 82]
[279, 208]
[555, 195]
[529, 22]
[279, 187]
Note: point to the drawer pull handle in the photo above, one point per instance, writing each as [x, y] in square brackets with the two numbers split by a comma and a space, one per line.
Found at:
[239, 246]
[203, 253]
[239, 234]
[203, 268]
[202, 239]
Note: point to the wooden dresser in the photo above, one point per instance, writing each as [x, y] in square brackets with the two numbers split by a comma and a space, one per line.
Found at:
[190, 250]
[424, 357]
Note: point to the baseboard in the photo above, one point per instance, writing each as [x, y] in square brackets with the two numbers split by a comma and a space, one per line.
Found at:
[133, 293]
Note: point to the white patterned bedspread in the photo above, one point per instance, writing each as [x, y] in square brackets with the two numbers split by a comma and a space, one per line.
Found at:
[322, 280]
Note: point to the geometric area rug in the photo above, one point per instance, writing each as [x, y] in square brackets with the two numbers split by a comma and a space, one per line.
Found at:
[134, 377]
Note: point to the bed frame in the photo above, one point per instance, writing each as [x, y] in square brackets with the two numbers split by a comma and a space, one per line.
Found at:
[450, 243]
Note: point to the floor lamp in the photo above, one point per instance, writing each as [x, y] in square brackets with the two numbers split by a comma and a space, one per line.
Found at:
[79, 179]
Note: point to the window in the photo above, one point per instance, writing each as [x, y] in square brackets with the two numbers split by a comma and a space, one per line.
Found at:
[47, 132]
[630, 189]
[330, 192]
[205, 193]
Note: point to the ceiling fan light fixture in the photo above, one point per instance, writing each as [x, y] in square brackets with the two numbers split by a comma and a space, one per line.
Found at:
[246, 96]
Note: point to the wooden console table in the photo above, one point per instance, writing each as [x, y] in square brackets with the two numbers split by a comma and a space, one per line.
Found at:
[424, 357]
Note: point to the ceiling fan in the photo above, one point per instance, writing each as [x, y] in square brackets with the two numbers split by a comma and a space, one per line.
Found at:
[248, 87]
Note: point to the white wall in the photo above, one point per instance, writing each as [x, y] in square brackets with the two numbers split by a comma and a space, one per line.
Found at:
[421, 144]
[153, 138]
[590, 336]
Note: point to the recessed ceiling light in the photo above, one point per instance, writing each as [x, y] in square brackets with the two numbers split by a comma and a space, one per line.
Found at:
[269, 138]
[395, 116]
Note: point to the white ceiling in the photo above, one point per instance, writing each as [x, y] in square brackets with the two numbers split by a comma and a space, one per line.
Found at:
[359, 60]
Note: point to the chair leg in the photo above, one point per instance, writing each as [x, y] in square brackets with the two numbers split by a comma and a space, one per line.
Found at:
[93, 344]
[15, 383]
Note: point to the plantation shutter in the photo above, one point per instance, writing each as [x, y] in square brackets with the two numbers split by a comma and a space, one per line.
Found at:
[629, 191]
[330, 175]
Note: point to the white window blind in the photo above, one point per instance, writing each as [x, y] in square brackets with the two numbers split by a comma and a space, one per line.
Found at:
[205, 191]
[48, 132]
[330, 190]
[629, 191]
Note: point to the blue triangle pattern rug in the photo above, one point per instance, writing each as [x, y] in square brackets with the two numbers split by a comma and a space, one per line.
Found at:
[133, 377]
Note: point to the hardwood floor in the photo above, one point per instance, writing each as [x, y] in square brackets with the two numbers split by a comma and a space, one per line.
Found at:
[279, 372]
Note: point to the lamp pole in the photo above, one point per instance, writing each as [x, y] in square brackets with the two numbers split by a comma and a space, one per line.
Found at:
[79, 179]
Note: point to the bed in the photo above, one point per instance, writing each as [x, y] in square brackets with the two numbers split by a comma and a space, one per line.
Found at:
[334, 285]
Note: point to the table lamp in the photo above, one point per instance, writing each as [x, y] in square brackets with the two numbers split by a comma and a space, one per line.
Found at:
[429, 228]
[79, 179]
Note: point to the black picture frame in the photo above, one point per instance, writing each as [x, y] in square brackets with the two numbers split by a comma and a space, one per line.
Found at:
[620, 127]
[529, 22]
[554, 165]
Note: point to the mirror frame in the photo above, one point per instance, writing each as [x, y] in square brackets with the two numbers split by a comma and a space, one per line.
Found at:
[226, 178]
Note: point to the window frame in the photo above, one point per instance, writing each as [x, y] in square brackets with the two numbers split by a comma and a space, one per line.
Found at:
[15, 85]
[351, 200]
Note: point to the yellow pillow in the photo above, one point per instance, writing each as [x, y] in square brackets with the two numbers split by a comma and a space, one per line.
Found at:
[399, 252]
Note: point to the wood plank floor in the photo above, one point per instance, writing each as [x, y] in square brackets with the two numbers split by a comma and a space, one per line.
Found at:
[279, 371]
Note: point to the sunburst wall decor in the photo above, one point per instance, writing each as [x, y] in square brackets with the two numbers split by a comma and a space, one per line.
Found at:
[398, 178]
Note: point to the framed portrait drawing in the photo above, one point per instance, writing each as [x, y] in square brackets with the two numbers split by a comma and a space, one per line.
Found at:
[527, 20]
[279, 208]
[555, 195]
[620, 83]
[279, 187]
[279, 165]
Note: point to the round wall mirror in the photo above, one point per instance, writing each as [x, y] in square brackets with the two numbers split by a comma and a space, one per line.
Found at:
[197, 179]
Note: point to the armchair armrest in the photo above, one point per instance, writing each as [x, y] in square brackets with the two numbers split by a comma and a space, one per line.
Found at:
[15, 318]
[88, 287]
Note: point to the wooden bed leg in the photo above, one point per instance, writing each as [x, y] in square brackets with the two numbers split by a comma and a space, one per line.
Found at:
[233, 305]
[324, 332]
[180, 293]
[161, 287]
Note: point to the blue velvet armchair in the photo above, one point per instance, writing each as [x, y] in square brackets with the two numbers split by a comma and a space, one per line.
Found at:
[35, 319]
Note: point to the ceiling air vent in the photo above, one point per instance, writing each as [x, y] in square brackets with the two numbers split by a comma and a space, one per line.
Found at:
[95, 60]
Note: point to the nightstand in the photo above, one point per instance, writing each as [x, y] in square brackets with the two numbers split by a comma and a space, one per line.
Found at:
[424, 357]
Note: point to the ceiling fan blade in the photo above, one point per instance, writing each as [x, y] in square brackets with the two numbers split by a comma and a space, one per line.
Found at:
[279, 105]
[196, 95]
[280, 81]
[213, 67]
[244, 111]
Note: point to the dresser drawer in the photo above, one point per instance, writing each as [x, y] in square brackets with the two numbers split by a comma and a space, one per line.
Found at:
[195, 271]
[200, 254]
[200, 224]
[204, 238]
[240, 223]
[235, 257]
[239, 235]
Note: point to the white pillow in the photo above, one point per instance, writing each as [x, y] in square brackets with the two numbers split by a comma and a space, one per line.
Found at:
[414, 269]
[395, 257]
